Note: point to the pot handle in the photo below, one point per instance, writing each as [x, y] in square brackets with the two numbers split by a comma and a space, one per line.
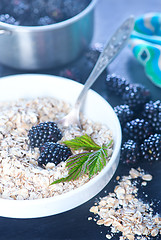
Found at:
[3, 31]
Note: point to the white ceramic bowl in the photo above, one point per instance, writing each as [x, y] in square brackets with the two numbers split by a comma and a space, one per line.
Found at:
[95, 108]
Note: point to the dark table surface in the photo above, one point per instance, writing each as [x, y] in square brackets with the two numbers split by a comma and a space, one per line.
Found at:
[74, 224]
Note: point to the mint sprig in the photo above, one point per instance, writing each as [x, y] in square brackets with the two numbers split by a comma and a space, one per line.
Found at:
[84, 142]
[89, 162]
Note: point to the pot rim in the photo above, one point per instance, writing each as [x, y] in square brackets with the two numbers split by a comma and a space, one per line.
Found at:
[61, 24]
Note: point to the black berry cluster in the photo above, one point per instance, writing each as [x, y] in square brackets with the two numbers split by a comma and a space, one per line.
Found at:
[82, 67]
[44, 132]
[124, 113]
[54, 153]
[8, 19]
[151, 148]
[45, 137]
[136, 96]
[39, 12]
[140, 119]
[133, 95]
[137, 130]
[152, 113]
[130, 152]
[117, 84]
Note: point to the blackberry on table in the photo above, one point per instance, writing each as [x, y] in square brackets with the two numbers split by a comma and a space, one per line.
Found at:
[54, 153]
[44, 132]
[151, 148]
[117, 84]
[136, 96]
[152, 113]
[72, 72]
[137, 130]
[124, 113]
[81, 68]
[130, 152]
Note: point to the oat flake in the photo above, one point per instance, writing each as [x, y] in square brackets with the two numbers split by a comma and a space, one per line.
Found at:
[123, 212]
[20, 176]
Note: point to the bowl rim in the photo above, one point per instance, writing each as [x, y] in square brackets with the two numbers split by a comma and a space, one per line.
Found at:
[58, 25]
[92, 181]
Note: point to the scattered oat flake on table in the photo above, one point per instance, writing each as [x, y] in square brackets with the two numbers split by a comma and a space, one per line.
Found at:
[147, 177]
[123, 212]
[144, 183]
[108, 236]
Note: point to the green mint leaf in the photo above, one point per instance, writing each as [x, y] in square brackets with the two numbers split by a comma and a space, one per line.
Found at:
[96, 162]
[77, 161]
[90, 162]
[60, 180]
[76, 165]
[84, 142]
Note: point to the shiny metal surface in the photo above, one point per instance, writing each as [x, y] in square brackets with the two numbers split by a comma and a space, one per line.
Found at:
[43, 47]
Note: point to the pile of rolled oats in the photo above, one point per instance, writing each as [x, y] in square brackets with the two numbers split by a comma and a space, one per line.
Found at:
[20, 176]
[124, 213]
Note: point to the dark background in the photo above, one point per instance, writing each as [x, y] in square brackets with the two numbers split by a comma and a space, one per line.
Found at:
[74, 224]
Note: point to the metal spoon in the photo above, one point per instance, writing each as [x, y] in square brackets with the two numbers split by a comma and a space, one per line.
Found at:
[111, 50]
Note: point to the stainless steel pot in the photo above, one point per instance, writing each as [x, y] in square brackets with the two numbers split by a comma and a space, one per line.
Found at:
[42, 47]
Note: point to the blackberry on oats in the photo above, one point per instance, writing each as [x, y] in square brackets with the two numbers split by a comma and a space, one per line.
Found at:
[42, 133]
[54, 153]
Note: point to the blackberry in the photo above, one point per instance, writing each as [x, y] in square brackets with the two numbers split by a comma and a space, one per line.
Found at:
[33, 13]
[54, 9]
[136, 96]
[116, 84]
[81, 68]
[130, 152]
[54, 153]
[152, 113]
[72, 8]
[19, 8]
[45, 21]
[44, 132]
[151, 148]
[6, 18]
[72, 72]
[124, 113]
[137, 130]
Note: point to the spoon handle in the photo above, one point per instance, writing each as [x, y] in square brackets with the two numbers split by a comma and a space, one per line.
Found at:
[112, 48]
